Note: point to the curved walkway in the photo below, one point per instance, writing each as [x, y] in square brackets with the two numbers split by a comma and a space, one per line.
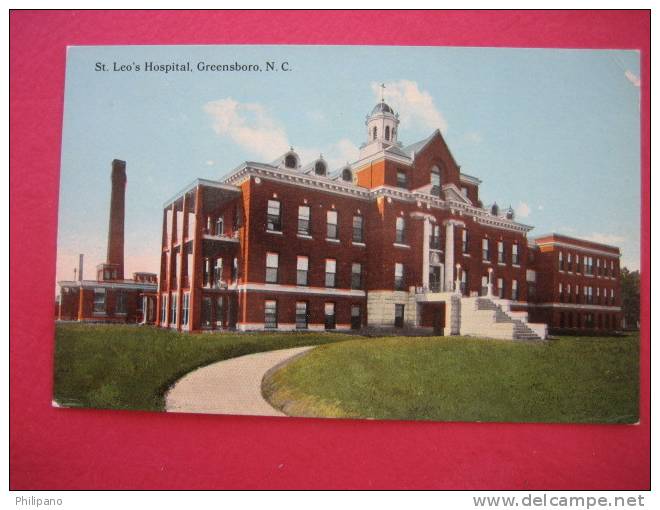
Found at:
[231, 386]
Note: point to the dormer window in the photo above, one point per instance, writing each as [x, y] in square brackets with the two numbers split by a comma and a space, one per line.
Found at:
[290, 161]
[375, 133]
[347, 175]
[319, 168]
[387, 133]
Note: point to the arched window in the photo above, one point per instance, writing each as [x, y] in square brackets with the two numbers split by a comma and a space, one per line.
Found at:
[319, 168]
[375, 133]
[347, 175]
[495, 210]
[387, 133]
[290, 161]
[435, 181]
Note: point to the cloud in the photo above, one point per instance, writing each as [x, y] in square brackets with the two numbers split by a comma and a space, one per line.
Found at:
[210, 162]
[415, 106]
[633, 78]
[473, 137]
[613, 239]
[523, 210]
[249, 125]
[253, 128]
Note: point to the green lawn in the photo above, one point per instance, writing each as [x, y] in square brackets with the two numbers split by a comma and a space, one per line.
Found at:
[572, 379]
[130, 367]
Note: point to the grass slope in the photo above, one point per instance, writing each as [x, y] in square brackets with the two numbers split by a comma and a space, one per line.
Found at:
[129, 367]
[571, 379]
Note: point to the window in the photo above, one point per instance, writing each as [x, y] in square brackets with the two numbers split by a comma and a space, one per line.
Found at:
[302, 316]
[464, 191]
[590, 295]
[611, 296]
[331, 220]
[568, 292]
[173, 303]
[120, 306]
[387, 133]
[270, 314]
[290, 161]
[514, 290]
[401, 179]
[485, 251]
[330, 272]
[398, 276]
[500, 252]
[400, 237]
[356, 317]
[590, 265]
[465, 241]
[484, 285]
[434, 241]
[358, 235]
[238, 217]
[272, 264]
[217, 272]
[303, 220]
[598, 268]
[99, 300]
[375, 133]
[274, 217]
[329, 310]
[435, 181]
[577, 263]
[570, 263]
[347, 175]
[399, 311]
[500, 288]
[219, 226]
[234, 270]
[163, 308]
[185, 307]
[561, 292]
[561, 261]
[302, 267]
[356, 275]
[577, 293]
[515, 256]
[319, 168]
[464, 282]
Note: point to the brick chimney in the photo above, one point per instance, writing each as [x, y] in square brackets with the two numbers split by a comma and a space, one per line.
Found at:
[116, 224]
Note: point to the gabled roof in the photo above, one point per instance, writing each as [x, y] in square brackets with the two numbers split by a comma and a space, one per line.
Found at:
[413, 148]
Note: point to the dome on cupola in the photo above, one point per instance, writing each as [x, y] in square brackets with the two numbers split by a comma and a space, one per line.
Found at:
[382, 107]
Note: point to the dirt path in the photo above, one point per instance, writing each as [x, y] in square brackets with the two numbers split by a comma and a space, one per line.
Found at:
[232, 386]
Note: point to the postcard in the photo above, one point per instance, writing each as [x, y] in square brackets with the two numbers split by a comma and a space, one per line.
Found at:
[369, 232]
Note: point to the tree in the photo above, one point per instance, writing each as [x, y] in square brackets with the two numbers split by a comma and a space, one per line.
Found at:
[630, 297]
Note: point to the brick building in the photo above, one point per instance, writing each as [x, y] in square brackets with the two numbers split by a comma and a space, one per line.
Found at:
[110, 297]
[398, 238]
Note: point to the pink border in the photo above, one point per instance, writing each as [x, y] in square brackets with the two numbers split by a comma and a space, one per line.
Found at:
[72, 449]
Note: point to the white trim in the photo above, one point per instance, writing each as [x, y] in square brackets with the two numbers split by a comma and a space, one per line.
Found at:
[127, 285]
[577, 306]
[278, 232]
[361, 245]
[398, 245]
[570, 246]
[276, 287]
[301, 236]
[330, 240]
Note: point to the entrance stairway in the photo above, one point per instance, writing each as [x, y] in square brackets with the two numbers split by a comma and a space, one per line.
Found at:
[481, 316]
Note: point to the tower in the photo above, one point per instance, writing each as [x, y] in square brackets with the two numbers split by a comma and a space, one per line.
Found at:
[382, 127]
[115, 254]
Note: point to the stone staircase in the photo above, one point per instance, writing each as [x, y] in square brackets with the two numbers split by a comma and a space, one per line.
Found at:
[481, 316]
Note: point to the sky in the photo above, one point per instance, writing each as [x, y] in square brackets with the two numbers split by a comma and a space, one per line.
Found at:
[553, 133]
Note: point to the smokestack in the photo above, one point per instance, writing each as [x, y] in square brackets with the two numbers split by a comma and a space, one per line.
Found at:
[116, 226]
[80, 267]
